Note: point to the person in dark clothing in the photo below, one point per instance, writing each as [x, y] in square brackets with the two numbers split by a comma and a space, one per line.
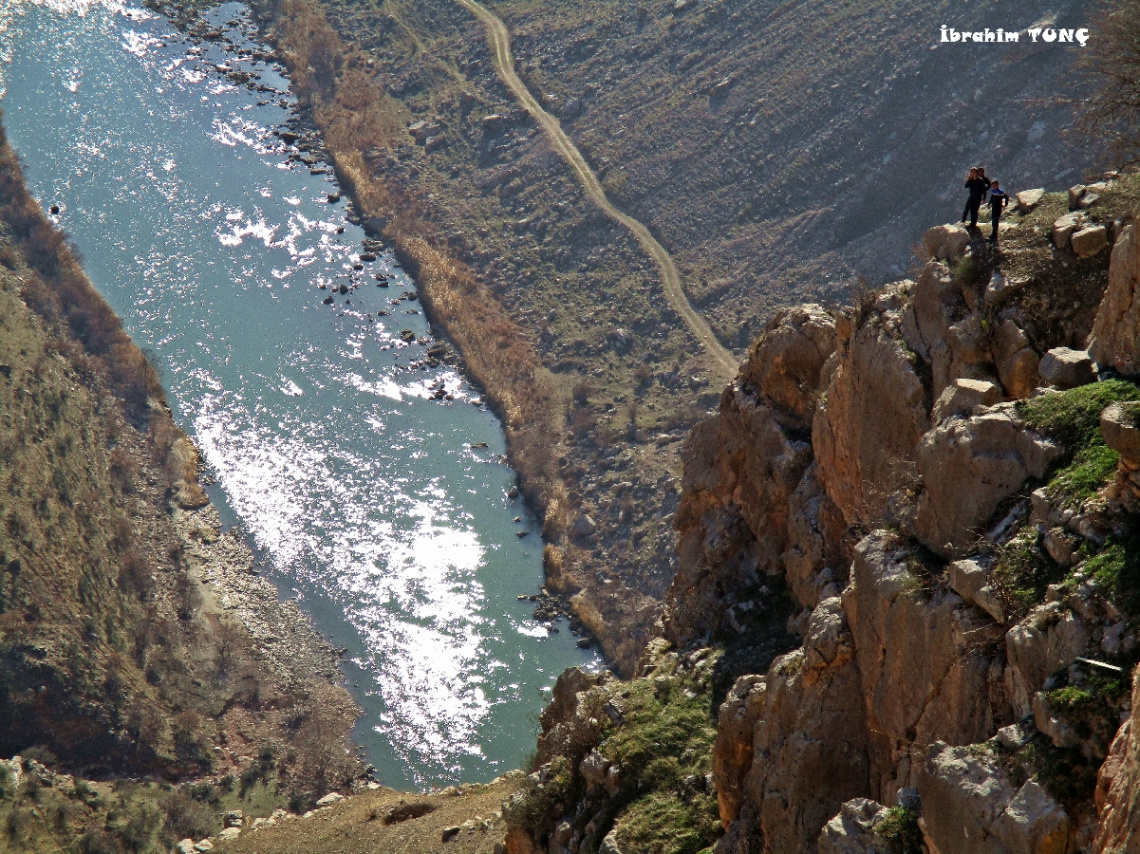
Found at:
[998, 201]
[985, 178]
[977, 187]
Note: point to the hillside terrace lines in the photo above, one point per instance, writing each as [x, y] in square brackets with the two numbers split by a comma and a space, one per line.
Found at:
[722, 361]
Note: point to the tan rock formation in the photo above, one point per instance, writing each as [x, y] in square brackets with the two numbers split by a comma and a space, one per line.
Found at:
[1017, 363]
[1064, 368]
[809, 744]
[814, 562]
[732, 753]
[1045, 641]
[971, 807]
[946, 242]
[740, 470]
[852, 830]
[1118, 790]
[969, 466]
[924, 678]
[962, 395]
[874, 412]
[786, 361]
[1115, 339]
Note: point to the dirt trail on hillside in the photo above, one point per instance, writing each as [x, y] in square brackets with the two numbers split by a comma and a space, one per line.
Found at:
[499, 37]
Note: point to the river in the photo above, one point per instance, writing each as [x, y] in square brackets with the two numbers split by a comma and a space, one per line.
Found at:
[386, 511]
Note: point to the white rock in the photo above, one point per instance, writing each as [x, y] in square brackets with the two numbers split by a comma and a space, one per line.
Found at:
[1065, 368]
[1064, 228]
[1027, 200]
[330, 799]
[1090, 241]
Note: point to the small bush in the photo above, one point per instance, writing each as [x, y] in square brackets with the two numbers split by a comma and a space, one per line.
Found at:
[40, 753]
[99, 841]
[900, 831]
[185, 817]
[966, 271]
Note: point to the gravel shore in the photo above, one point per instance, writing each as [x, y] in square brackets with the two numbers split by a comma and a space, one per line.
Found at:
[223, 563]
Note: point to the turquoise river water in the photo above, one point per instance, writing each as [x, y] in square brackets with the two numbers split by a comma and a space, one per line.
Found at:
[370, 502]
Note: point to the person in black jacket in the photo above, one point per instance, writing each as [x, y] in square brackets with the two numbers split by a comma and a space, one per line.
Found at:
[998, 201]
[977, 187]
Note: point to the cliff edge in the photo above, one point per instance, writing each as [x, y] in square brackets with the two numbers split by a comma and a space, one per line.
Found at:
[907, 595]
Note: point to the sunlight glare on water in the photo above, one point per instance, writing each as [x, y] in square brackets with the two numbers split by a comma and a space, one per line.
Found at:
[370, 498]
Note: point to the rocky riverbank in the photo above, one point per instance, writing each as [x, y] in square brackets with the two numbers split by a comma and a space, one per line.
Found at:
[109, 661]
[282, 634]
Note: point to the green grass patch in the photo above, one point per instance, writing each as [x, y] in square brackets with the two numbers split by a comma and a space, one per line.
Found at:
[1073, 417]
[1023, 571]
[663, 821]
[667, 738]
[1089, 472]
[900, 831]
[1116, 569]
[1070, 698]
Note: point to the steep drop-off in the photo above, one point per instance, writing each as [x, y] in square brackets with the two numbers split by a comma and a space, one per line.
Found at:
[907, 591]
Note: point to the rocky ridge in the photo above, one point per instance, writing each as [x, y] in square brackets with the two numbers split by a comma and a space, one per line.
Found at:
[906, 577]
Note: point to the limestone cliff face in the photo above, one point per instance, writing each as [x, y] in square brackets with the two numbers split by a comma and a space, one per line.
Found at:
[940, 498]
[966, 620]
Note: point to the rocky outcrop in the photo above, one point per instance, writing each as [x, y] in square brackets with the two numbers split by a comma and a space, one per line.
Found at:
[1063, 367]
[1115, 340]
[1016, 361]
[962, 395]
[968, 467]
[946, 242]
[852, 831]
[741, 471]
[950, 626]
[809, 743]
[815, 563]
[873, 414]
[786, 361]
[923, 672]
[971, 807]
[1050, 638]
[1116, 791]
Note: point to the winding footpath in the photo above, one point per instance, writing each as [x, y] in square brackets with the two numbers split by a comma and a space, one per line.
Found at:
[499, 38]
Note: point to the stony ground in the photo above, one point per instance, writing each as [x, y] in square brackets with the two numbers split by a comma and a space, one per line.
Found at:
[392, 822]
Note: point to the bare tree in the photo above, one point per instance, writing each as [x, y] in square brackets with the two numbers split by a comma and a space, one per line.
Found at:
[1112, 63]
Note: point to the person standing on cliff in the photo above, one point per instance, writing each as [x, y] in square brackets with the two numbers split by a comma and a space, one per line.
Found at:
[998, 200]
[977, 187]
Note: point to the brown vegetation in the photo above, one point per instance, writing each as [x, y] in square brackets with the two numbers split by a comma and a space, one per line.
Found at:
[111, 658]
[1112, 61]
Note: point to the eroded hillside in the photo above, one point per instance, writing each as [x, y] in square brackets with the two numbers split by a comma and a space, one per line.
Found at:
[134, 633]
